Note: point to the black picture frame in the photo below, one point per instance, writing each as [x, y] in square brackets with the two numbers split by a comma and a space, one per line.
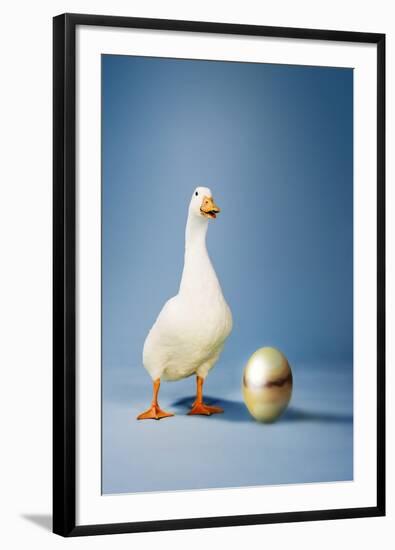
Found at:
[64, 273]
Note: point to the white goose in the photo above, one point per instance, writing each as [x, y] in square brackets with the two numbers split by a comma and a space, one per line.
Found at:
[190, 331]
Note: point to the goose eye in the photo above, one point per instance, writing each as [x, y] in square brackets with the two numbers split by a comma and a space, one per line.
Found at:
[196, 193]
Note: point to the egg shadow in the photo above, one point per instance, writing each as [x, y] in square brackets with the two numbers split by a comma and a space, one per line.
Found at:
[236, 411]
[293, 414]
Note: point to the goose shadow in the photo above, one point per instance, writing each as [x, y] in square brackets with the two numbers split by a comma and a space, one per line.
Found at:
[236, 411]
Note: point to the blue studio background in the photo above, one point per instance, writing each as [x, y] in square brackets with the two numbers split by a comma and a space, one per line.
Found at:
[275, 145]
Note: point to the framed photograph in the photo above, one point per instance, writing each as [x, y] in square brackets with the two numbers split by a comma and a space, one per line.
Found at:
[219, 275]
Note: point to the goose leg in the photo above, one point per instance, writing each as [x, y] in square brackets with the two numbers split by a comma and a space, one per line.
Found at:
[154, 412]
[199, 407]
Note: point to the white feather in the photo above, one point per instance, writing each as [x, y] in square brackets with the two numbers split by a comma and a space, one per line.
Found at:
[190, 331]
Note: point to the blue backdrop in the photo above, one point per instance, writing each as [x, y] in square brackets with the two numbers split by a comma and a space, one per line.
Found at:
[275, 145]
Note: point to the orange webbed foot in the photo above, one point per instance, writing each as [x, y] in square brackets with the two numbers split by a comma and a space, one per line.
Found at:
[154, 413]
[207, 410]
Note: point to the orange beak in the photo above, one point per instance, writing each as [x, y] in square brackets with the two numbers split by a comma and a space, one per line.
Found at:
[208, 208]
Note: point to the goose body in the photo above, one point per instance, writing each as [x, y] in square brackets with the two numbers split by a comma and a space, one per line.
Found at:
[190, 331]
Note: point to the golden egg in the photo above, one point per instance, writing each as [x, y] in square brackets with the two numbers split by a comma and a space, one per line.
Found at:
[267, 384]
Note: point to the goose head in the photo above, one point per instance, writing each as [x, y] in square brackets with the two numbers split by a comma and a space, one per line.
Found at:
[202, 204]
